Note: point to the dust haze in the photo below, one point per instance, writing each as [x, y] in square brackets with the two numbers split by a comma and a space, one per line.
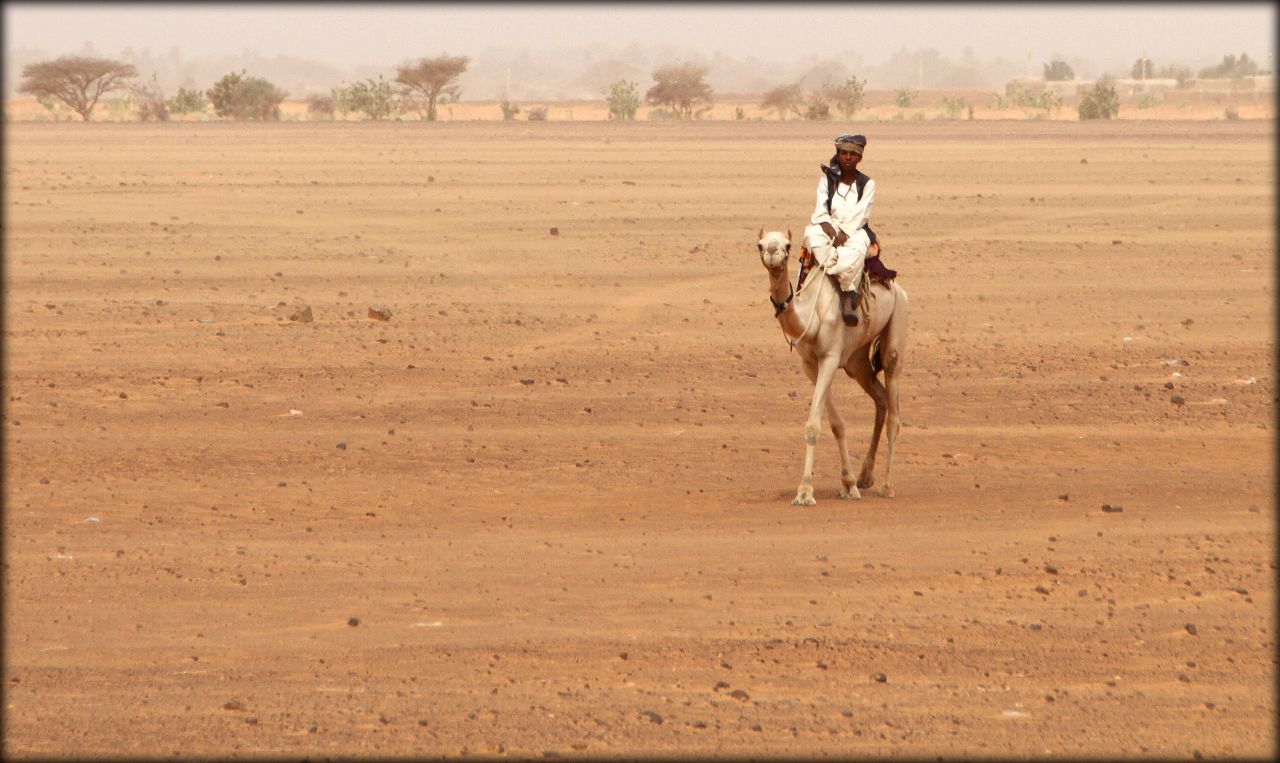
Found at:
[568, 52]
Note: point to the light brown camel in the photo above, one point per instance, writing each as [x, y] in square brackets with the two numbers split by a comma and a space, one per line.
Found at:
[810, 318]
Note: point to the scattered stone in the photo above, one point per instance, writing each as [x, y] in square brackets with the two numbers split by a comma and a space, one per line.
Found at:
[234, 704]
[1191, 628]
[652, 716]
[302, 315]
[1042, 589]
[879, 678]
[353, 621]
[1112, 509]
[527, 382]
[1063, 497]
[222, 405]
[739, 694]
[342, 446]
[555, 231]
[380, 313]
[1178, 400]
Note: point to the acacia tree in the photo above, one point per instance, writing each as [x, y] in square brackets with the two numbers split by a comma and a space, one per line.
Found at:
[681, 88]
[429, 79]
[78, 81]
[786, 99]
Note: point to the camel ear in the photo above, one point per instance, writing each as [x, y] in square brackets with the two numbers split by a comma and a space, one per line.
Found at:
[788, 234]
[761, 233]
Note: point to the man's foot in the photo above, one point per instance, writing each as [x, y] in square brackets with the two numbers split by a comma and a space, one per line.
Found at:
[849, 307]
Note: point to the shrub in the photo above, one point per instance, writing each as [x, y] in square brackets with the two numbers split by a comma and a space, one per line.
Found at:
[1101, 102]
[187, 102]
[509, 110]
[320, 106]
[151, 102]
[623, 99]
[953, 106]
[241, 97]
[373, 98]
[848, 98]
[537, 114]
[904, 97]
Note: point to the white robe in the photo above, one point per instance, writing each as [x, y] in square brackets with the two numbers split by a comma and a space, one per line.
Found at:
[849, 214]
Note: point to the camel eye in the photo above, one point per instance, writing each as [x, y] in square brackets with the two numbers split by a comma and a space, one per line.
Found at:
[760, 247]
[788, 247]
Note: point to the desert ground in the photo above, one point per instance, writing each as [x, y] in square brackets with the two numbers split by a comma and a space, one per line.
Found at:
[545, 507]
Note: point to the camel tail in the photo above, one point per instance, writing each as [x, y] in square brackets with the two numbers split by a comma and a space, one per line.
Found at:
[877, 363]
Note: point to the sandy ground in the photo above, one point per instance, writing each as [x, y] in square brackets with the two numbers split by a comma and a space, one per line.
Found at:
[545, 508]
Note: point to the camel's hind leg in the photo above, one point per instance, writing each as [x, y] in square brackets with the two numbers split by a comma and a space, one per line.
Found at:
[893, 345]
[859, 368]
[849, 488]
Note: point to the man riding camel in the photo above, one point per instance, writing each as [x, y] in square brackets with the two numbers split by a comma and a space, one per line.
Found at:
[838, 236]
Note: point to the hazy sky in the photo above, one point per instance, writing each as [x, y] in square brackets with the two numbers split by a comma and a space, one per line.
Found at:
[350, 35]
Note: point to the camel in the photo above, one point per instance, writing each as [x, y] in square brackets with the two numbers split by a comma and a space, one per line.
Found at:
[810, 319]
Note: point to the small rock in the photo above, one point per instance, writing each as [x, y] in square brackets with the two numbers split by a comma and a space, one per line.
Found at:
[1191, 628]
[1112, 509]
[353, 621]
[652, 716]
[1177, 400]
[380, 313]
[302, 315]
[879, 678]
[739, 694]
[555, 231]
[342, 446]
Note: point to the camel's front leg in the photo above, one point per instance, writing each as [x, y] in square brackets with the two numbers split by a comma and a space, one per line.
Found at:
[850, 490]
[821, 375]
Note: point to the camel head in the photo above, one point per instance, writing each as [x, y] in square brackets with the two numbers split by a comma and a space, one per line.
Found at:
[775, 249]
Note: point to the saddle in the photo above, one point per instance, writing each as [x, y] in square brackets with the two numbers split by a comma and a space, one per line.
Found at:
[872, 268]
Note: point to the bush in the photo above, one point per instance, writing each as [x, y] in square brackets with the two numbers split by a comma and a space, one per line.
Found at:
[848, 98]
[1100, 103]
[373, 98]
[187, 102]
[1230, 113]
[537, 114]
[320, 106]
[241, 97]
[151, 102]
[623, 99]
[953, 106]
[509, 110]
[904, 97]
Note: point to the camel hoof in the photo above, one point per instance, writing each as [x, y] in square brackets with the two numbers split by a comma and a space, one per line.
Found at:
[885, 492]
[866, 481]
[804, 500]
[851, 494]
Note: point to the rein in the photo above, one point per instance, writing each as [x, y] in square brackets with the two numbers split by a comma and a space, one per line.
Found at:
[780, 307]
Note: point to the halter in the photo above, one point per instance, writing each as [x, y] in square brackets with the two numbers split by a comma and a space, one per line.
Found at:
[780, 307]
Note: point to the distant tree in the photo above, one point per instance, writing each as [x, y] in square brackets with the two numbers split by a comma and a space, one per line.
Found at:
[150, 101]
[1058, 71]
[428, 80]
[785, 99]
[1101, 102]
[537, 114]
[1180, 73]
[682, 89]
[1231, 68]
[320, 106]
[509, 110]
[241, 97]
[372, 97]
[904, 97]
[187, 102]
[77, 81]
[847, 97]
[623, 99]
[953, 106]
[1142, 69]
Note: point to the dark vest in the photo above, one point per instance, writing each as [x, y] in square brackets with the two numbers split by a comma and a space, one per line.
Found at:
[832, 172]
